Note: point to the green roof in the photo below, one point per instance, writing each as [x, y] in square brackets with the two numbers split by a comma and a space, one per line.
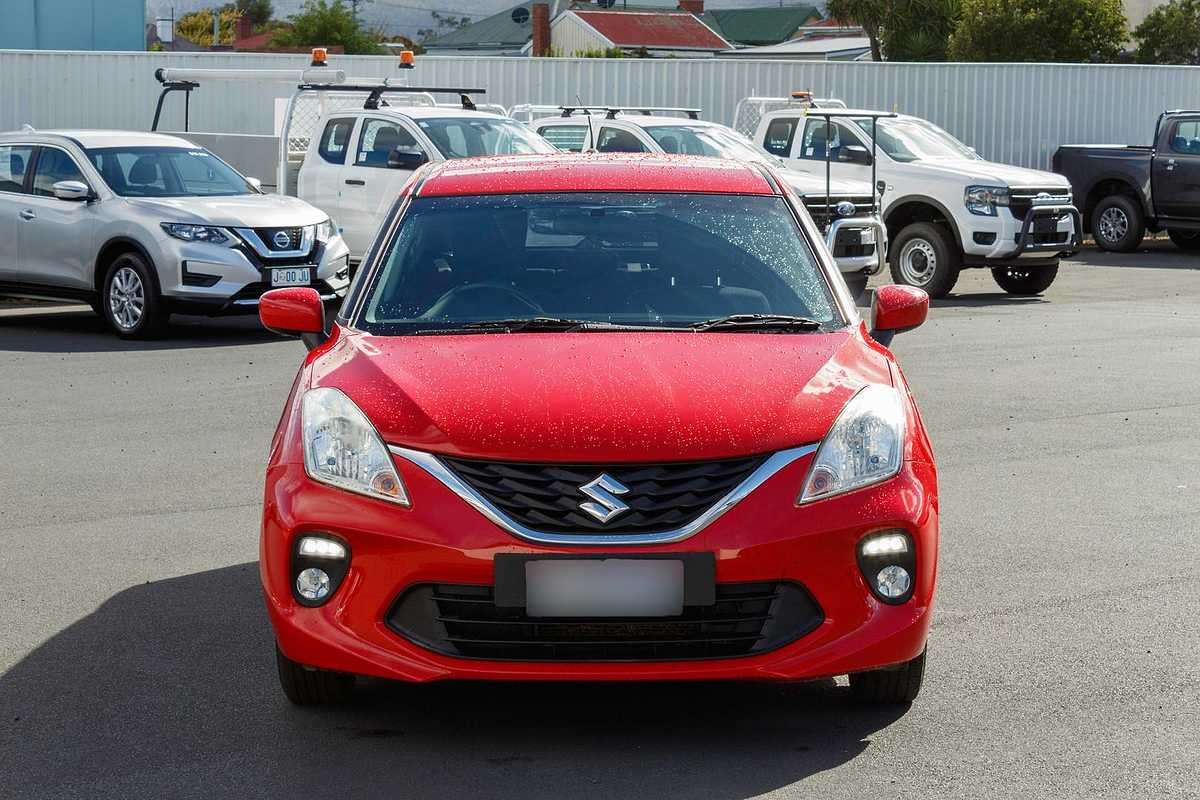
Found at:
[758, 26]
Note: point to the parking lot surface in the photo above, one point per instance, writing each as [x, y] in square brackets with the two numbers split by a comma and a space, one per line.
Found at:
[136, 658]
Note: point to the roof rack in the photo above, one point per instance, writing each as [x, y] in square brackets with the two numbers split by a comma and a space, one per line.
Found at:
[610, 112]
[375, 93]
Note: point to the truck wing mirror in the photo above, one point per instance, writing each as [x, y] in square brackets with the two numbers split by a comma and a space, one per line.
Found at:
[855, 154]
[401, 158]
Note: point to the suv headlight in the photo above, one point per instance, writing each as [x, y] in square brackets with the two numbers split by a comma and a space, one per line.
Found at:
[326, 230]
[343, 449]
[982, 200]
[195, 233]
[864, 446]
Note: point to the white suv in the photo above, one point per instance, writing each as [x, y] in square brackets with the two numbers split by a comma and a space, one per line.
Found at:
[844, 213]
[945, 208]
[142, 225]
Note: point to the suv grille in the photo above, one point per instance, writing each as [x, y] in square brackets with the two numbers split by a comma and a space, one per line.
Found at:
[1021, 199]
[863, 207]
[547, 497]
[747, 619]
[268, 235]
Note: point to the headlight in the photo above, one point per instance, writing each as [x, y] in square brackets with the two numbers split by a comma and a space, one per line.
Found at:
[342, 449]
[982, 200]
[195, 233]
[864, 446]
[326, 230]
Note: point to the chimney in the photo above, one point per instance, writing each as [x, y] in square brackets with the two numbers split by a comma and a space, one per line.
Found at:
[245, 28]
[695, 7]
[541, 29]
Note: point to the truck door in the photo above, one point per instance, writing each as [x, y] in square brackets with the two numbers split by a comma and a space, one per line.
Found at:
[848, 157]
[14, 161]
[368, 186]
[320, 177]
[1176, 173]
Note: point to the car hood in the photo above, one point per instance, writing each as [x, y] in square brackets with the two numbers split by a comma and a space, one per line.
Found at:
[989, 172]
[602, 397]
[807, 184]
[240, 211]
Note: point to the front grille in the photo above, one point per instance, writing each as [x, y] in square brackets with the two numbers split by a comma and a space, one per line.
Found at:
[547, 497]
[1020, 200]
[1052, 237]
[863, 207]
[463, 620]
[294, 238]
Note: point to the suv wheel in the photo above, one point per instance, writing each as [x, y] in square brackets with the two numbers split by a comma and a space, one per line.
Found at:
[1117, 224]
[1027, 281]
[890, 685]
[308, 686]
[1185, 240]
[924, 255]
[129, 300]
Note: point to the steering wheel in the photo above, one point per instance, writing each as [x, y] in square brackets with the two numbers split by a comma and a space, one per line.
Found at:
[481, 300]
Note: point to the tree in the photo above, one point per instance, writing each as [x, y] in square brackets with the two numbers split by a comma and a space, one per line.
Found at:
[198, 26]
[257, 11]
[322, 22]
[901, 30]
[442, 23]
[1077, 31]
[1170, 34]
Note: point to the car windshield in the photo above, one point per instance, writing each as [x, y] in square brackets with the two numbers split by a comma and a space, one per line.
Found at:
[641, 259]
[704, 140]
[917, 140]
[167, 172]
[467, 137]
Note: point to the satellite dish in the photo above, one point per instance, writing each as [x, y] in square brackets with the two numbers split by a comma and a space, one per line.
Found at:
[520, 15]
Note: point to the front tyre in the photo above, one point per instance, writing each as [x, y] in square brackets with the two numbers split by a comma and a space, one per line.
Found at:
[1025, 280]
[1185, 240]
[1117, 224]
[307, 686]
[129, 299]
[924, 255]
[890, 685]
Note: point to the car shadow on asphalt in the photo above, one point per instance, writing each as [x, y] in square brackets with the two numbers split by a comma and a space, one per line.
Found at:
[984, 300]
[168, 689]
[76, 329]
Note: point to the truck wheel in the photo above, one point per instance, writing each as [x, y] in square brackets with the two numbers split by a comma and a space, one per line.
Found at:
[1117, 224]
[1025, 281]
[130, 302]
[924, 255]
[857, 284]
[305, 686]
[890, 685]
[1185, 240]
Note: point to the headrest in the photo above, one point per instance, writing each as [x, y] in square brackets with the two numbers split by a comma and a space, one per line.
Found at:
[386, 140]
[144, 171]
[16, 165]
[670, 144]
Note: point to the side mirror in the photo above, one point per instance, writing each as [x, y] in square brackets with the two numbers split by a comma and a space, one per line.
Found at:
[896, 309]
[255, 182]
[72, 190]
[294, 312]
[855, 154]
[406, 159]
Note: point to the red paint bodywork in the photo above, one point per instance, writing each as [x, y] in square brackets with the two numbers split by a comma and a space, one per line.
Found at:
[899, 308]
[597, 397]
[292, 311]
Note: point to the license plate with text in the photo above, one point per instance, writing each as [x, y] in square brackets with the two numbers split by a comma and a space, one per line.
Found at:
[292, 276]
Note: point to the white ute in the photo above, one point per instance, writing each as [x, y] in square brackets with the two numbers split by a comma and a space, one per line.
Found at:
[844, 213]
[945, 207]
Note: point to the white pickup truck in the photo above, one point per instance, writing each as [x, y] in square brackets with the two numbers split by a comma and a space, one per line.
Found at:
[945, 208]
[348, 146]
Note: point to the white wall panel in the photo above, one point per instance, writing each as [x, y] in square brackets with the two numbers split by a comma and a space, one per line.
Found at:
[1017, 113]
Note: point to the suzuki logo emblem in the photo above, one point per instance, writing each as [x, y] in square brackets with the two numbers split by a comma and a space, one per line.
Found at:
[604, 490]
[282, 240]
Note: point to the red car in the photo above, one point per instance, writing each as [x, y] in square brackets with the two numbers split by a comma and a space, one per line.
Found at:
[599, 417]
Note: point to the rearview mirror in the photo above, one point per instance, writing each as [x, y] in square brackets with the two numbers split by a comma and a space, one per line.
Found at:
[406, 159]
[255, 182]
[854, 154]
[294, 312]
[896, 309]
[72, 190]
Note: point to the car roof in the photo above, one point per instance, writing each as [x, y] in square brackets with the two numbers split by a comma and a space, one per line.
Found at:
[592, 172]
[641, 120]
[797, 111]
[101, 138]
[432, 112]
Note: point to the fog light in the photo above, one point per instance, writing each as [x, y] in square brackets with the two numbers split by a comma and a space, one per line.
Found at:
[885, 545]
[313, 584]
[317, 547]
[893, 581]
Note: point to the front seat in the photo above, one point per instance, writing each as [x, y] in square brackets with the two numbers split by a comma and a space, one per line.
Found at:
[144, 172]
[386, 140]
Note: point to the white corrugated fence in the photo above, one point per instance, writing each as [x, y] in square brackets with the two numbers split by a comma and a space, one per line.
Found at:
[1015, 113]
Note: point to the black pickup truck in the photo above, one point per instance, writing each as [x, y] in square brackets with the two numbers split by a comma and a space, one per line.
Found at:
[1126, 190]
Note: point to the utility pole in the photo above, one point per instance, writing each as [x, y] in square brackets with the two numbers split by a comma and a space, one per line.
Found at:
[216, 12]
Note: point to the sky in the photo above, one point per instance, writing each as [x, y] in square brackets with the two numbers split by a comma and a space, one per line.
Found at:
[405, 16]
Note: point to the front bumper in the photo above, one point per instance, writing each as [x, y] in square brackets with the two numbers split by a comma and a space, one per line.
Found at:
[1005, 238]
[843, 239]
[443, 540]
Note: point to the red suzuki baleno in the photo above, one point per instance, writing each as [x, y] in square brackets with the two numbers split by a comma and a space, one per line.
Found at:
[596, 417]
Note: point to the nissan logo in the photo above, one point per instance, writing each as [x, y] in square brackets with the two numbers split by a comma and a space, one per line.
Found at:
[282, 240]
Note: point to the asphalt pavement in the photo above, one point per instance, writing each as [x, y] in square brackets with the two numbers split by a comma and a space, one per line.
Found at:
[136, 659]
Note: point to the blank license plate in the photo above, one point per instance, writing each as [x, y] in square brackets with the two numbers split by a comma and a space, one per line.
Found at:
[293, 276]
[604, 588]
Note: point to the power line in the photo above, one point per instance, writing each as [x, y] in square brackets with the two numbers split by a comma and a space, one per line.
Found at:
[411, 7]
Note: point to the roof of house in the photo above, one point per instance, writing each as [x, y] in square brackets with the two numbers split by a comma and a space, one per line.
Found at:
[818, 46]
[592, 172]
[653, 29]
[756, 26]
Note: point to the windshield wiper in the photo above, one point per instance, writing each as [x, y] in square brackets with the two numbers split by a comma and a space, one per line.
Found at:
[758, 322]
